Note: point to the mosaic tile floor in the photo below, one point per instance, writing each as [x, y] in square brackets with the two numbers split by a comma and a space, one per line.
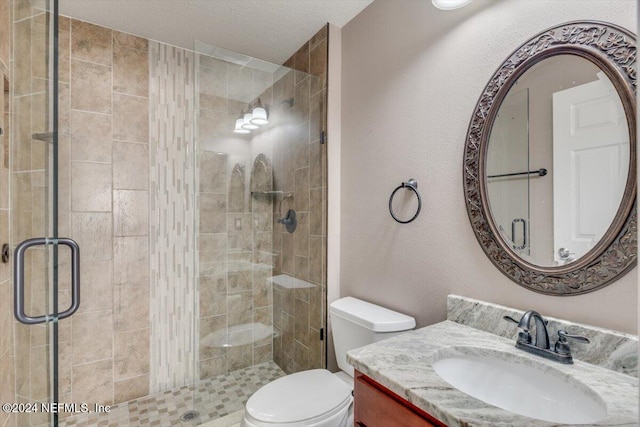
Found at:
[231, 420]
[213, 399]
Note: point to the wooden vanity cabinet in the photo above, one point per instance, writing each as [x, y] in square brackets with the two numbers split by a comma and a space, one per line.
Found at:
[377, 406]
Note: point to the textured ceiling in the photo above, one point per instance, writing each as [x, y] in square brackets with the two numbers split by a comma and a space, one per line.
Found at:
[271, 30]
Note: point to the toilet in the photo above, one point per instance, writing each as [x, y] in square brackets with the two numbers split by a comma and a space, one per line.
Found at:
[319, 398]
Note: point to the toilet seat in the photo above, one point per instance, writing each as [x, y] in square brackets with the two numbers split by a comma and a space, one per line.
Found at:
[302, 399]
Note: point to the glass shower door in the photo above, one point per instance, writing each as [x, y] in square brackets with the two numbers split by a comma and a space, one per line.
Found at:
[260, 220]
[45, 267]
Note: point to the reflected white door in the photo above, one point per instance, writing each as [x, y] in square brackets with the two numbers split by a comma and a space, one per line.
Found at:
[590, 164]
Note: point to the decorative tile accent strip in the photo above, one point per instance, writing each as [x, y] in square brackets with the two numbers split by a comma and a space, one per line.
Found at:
[610, 349]
[172, 223]
[213, 399]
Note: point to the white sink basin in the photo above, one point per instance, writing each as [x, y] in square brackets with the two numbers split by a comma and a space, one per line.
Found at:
[536, 391]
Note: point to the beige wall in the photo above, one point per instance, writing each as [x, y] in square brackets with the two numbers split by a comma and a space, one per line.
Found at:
[334, 130]
[411, 76]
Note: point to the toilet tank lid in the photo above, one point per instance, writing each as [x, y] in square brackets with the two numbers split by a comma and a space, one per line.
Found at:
[371, 316]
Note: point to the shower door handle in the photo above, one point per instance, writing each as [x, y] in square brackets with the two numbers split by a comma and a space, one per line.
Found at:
[18, 279]
[524, 233]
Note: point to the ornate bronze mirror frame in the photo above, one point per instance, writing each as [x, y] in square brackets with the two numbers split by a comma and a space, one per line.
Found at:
[613, 50]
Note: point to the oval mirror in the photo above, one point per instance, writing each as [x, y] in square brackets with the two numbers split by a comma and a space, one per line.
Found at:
[550, 169]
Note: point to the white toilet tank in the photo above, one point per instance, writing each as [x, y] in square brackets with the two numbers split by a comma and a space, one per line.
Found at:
[356, 323]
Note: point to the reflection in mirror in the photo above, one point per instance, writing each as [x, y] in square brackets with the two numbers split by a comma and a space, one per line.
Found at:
[509, 155]
[547, 151]
[557, 160]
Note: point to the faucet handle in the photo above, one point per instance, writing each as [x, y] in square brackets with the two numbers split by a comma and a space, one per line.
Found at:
[510, 319]
[562, 347]
[563, 335]
[524, 335]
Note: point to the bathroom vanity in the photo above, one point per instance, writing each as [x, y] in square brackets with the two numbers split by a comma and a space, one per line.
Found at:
[402, 377]
[376, 405]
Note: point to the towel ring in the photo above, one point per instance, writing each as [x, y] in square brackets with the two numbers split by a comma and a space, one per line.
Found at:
[412, 185]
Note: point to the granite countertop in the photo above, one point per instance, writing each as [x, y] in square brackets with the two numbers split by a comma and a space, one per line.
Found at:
[403, 365]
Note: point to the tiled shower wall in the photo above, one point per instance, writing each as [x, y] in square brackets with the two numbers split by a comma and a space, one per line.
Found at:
[105, 348]
[103, 205]
[23, 198]
[7, 355]
[300, 168]
[28, 190]
[103, 193]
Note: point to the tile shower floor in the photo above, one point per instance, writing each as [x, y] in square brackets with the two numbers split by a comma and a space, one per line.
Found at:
[214, 399]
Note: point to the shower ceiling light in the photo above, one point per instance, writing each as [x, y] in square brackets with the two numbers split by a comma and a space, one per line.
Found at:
[259, 115]
[239, 123]
[450, 4]
[247, 122]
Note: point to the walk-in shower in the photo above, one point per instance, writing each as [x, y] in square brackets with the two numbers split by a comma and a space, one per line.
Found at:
[190, 285]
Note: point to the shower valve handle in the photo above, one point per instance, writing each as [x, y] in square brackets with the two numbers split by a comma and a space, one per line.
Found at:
[290, 221]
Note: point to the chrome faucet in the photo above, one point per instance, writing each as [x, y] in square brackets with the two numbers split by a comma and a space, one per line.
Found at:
[541, 346]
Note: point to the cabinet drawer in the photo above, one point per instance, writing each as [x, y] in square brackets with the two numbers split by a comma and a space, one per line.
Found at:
[376, 406]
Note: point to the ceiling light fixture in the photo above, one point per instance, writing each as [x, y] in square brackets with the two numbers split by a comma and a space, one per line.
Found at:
[259, 114]
[247, 122]
[239, 123]
[450, 4]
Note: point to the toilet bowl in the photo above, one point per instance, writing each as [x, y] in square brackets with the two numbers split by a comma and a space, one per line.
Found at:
[315, 398]
[319, 398]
